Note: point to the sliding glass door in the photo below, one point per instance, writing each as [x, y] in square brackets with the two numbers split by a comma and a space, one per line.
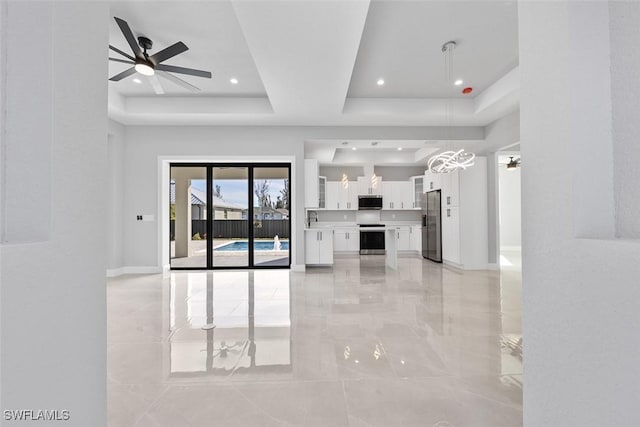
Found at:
[230, 216]
[230, 226]
[188, 215]
[271, 216]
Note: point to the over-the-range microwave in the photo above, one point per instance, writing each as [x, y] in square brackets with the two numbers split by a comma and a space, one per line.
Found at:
[368, 203]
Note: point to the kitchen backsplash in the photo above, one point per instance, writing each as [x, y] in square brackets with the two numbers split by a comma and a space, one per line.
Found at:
[400, 216]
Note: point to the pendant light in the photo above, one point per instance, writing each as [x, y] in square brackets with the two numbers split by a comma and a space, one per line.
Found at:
[451, 160]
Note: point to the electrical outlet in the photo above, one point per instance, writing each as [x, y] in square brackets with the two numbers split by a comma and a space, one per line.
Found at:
[345, 216]
[393, 216]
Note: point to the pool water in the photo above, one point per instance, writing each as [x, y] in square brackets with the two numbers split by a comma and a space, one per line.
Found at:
[258, 246]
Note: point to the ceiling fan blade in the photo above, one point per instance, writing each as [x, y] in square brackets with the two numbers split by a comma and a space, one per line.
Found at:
[128, 34]
[182, 70]
[178, 81]
[122, 75]
[157, 87]
[170, 52]
[115, 49]
[121, 60]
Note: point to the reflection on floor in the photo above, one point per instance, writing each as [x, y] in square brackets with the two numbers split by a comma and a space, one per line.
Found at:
[356, 345]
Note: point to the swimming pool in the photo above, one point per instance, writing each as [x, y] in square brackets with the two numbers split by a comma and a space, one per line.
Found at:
[257, 245]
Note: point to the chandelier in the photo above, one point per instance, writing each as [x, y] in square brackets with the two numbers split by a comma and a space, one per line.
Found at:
[450, 160]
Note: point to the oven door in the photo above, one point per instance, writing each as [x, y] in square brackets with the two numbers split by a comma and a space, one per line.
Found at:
[372, 243]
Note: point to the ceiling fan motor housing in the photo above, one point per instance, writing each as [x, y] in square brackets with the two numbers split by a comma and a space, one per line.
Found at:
[145, 43]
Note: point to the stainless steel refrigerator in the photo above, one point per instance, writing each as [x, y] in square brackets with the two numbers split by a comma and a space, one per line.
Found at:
[432, 226]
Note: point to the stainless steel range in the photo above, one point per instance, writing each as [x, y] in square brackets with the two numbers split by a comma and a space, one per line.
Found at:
[372, 239]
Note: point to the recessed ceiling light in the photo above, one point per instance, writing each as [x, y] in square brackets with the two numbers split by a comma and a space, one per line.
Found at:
[458, 82]
[233, 81]
[380, 82]
[399, 148]
[138, 81]
[354, 148]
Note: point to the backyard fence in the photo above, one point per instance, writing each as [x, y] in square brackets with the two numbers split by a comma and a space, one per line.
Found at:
[237, 228]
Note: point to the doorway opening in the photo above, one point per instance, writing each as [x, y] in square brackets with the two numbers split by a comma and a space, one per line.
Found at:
[509, 210]
[229, 216]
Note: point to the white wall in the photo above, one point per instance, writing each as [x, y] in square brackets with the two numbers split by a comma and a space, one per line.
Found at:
[510, 208]
[115, 196]
[145, 145]
[52, 290]
[580, 296]
[625, 69]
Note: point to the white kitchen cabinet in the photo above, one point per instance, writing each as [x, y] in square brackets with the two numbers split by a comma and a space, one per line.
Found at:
[415, 238]
[396, 195]
[340, 197]
[318, 247]
[417, 190]
[333, 195]
[465, 217]
[322, 192]
[348, 196]
[451, 188]
[346, 240]
[387, 195]
[311, 185]
[451, 234]
[432, 181]
[402, 238]
[366, 187]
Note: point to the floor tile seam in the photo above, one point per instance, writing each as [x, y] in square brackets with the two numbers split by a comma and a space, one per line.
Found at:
[346, 407]
[261, 410]
[153, 402]
[517, 407]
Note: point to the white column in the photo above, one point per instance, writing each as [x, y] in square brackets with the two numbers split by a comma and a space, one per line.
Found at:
[52, 278]
[580, 295]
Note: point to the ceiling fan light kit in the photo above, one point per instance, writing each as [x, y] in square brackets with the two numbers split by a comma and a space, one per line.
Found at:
[147, 65]
[449, 161]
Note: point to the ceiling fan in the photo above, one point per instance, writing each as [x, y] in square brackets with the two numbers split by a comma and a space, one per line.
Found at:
[512, 164]
[151, 65]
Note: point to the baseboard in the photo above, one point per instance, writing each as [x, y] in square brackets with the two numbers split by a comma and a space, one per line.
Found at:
[115, 272]
[298, 268]
[471, 267]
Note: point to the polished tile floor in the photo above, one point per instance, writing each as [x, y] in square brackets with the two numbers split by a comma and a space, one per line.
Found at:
[356, 345]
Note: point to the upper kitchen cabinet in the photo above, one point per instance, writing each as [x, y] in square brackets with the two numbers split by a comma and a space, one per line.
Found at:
[397, 195]
[311, 184]
[366, 187]
[432, 181]
[341, 197]
[322, 192]
[417, 190]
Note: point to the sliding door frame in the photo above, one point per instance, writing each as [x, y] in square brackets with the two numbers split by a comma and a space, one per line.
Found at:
[250, 211]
